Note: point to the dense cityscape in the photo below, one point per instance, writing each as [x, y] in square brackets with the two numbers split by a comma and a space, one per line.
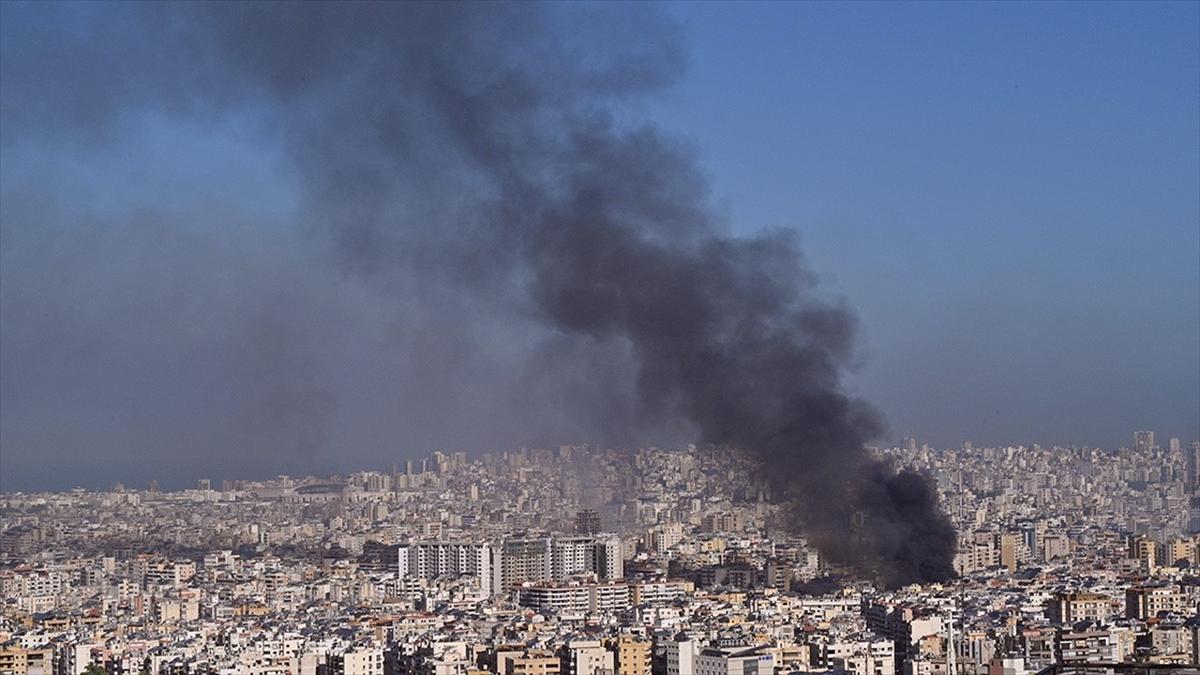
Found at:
[587, 561]
[299, 300]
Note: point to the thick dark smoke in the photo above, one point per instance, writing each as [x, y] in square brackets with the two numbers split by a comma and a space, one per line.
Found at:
[488, 149]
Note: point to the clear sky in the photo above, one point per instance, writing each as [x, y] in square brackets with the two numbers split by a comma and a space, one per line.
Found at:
[1007, 193]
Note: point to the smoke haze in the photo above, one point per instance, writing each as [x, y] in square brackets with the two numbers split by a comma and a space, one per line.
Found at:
[490, 249]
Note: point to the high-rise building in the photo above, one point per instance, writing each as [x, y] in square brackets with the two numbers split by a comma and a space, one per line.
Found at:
[525, 559]
[571, 556]
[431, 560]
[610, 559]
[1179, 549]
[575, 598]
[587, 521]
[1007, 546]
[1192, 459]
[1173, 445]
[721, 522]
[1145, 550]
[1143, 440]
[665, 536]
[1193, 523]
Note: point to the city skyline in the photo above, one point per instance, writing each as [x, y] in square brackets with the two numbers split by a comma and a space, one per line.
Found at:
[419, 461]
[599, 338]
[593, 562]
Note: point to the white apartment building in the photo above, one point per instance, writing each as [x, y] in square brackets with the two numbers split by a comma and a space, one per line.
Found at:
[575, 598]
[739, 661]
[433, 560]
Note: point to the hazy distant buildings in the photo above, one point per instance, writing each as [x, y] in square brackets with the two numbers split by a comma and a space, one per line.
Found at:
[1193, 519]
[1192, 461]
[587, 521]
[664, 537]
[1143, 441]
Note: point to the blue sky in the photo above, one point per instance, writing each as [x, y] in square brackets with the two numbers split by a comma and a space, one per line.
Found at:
[1008, 194]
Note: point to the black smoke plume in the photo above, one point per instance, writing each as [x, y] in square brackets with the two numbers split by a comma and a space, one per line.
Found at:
[489, 148]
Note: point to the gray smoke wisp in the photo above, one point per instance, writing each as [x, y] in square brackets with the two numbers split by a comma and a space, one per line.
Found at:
[488, 149]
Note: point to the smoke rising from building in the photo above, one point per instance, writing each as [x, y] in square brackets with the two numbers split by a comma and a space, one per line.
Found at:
[483, 157]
